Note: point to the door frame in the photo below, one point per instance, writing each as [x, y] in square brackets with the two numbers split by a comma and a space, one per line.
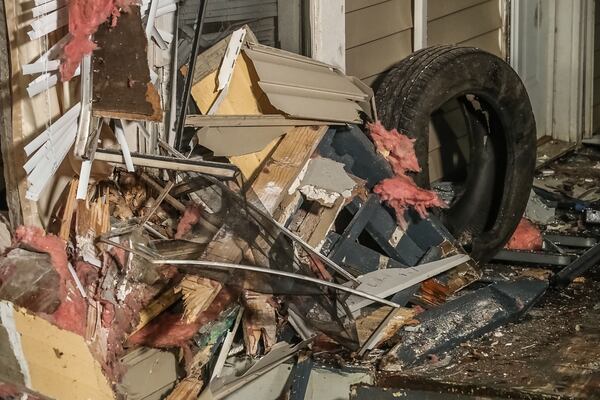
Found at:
[570, 66]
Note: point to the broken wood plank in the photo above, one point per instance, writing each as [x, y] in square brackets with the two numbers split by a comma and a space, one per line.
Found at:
[69, 208]
[275, 179]
[122, 86]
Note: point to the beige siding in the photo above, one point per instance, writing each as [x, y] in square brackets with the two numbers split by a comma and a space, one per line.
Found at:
[596, 122]
[379, 32]
[378, 35]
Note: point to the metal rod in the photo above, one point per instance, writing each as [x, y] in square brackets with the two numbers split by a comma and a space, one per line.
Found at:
[153, 258]
[189, 78]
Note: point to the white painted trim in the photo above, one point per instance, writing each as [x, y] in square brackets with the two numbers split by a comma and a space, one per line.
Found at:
[569, 111]
[328, 31]
[420, 25]
[588, 86]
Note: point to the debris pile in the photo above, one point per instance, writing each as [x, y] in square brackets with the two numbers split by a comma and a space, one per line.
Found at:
[214, 230]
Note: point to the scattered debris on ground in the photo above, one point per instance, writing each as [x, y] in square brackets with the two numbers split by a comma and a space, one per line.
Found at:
[266, 239]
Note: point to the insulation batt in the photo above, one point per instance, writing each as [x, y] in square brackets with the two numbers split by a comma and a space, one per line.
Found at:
[85, 16]
[71, 313]
[527, 236]
[401, 191]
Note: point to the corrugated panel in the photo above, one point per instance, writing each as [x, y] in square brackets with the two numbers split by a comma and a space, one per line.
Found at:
[305, 88]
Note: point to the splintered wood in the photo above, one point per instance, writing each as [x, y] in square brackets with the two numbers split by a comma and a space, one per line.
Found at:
[260, 321]
[281, 170]
[198, 294]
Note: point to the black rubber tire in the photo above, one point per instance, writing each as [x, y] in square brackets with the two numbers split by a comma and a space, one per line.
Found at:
[502, 135]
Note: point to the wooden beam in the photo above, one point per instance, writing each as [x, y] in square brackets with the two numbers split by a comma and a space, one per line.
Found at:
[328, 31]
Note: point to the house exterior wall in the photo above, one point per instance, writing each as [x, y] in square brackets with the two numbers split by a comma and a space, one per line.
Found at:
[379, 32]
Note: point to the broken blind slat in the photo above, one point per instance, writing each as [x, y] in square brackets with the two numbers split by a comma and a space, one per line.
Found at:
[48, 7]
[49, 23]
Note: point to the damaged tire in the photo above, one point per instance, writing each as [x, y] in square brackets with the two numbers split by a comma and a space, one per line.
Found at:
[493, 184]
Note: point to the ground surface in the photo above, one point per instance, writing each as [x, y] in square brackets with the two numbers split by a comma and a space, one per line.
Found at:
[554, 351]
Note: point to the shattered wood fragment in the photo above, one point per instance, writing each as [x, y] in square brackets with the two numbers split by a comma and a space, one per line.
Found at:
[260, 321]
[366, 325]
[122, 87]
[281, 169]
[84, 18]
[68, 210]
[164, 301]
[198, 294]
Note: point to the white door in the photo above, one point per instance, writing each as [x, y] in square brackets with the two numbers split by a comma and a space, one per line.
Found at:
[532, 55]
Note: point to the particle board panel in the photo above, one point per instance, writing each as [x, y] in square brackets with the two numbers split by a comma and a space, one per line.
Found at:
[378, 21]
[122, 87]
[437, 9]
[466, 24]
[378, 56]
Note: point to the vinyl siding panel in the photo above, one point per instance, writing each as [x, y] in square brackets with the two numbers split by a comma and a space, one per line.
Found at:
[378, 35]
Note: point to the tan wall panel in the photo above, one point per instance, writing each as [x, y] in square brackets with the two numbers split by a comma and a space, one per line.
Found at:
[440, 8]
[491, 41]
[375, 57]
[353, 5]
[378, 21]
[464, 25]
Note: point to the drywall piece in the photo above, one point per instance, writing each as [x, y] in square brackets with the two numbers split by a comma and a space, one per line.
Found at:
[52, 362]
[537, 211]
[325, 180]
[122, 86]
[150, 374]
[462, 319]
[386, 282]
[237, 141]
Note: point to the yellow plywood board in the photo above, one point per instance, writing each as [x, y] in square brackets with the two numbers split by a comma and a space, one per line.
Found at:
[59, 363]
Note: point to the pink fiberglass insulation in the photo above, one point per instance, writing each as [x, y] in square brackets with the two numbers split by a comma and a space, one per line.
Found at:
[169, 330]
[527, 236]
[72, 312]
[85, 16]
[401, 192]
[190, 217]
[397, 148]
